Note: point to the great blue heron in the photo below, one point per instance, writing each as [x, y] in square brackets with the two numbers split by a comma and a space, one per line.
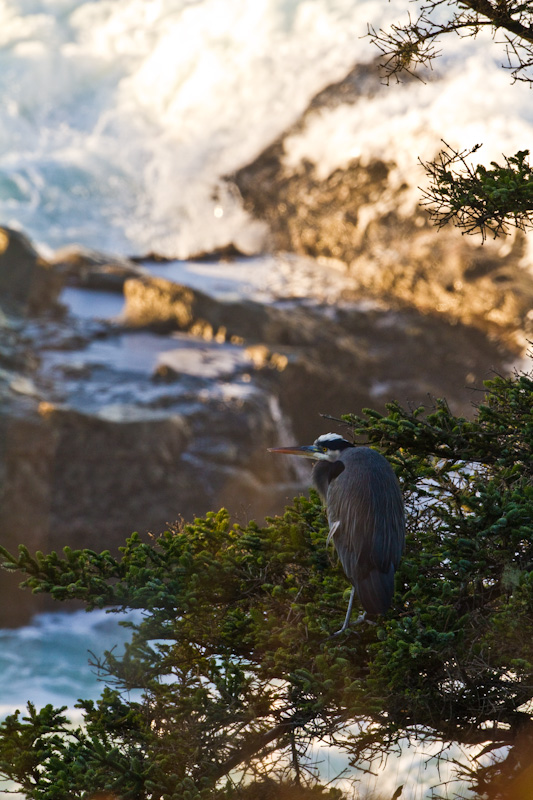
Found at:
[365, 513]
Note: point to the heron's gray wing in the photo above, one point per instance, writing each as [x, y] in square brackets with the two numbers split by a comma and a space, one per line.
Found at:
[367, 502]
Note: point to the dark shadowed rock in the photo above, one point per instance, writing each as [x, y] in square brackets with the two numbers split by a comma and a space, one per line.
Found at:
[227, 253]
[28, 284]
[130, 468]
[26, 449]
[81, 477]
[120, 464]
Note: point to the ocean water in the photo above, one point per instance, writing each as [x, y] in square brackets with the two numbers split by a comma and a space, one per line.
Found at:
[49, 661]
[120, 117]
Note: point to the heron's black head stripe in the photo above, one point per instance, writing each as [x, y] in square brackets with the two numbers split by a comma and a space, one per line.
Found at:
[333, 442]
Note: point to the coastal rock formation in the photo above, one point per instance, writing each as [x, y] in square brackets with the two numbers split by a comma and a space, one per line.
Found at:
[167, 412]
[328, 360]
[364, 215]
[94, 446]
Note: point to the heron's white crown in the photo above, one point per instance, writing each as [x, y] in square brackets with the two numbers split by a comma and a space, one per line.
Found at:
[332, 445]
[327, 439]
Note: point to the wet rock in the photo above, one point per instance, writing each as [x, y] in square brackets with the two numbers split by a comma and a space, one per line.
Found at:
[89, 478]
[382, 355]
[157, 302]
[161, 304]
[111, 471]
[14, 355]
[92, 270]
[227, 253]
[28, 284]
[25, 454]
[328, 360]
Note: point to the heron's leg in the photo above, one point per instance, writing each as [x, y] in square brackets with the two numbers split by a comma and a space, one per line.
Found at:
[349, 611]
[346, 623]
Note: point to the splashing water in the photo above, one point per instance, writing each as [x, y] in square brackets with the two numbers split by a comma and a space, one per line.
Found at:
[121, 117]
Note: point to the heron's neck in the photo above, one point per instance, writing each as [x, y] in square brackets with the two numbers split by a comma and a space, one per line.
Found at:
[323, 473]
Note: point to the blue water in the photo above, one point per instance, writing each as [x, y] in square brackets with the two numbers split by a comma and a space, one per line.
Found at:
[93, 303]
[47, 661]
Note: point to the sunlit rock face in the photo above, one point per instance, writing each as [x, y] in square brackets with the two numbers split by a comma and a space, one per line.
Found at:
[365, 213]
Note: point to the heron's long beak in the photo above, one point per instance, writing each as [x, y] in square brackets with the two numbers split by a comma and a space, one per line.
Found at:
[307, 451]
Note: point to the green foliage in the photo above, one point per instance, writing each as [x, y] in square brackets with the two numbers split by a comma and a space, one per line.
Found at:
[224, 657]
[231, 662]
[477, 199]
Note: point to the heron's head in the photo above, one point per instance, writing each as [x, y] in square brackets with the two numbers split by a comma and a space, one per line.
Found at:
[327, 447]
